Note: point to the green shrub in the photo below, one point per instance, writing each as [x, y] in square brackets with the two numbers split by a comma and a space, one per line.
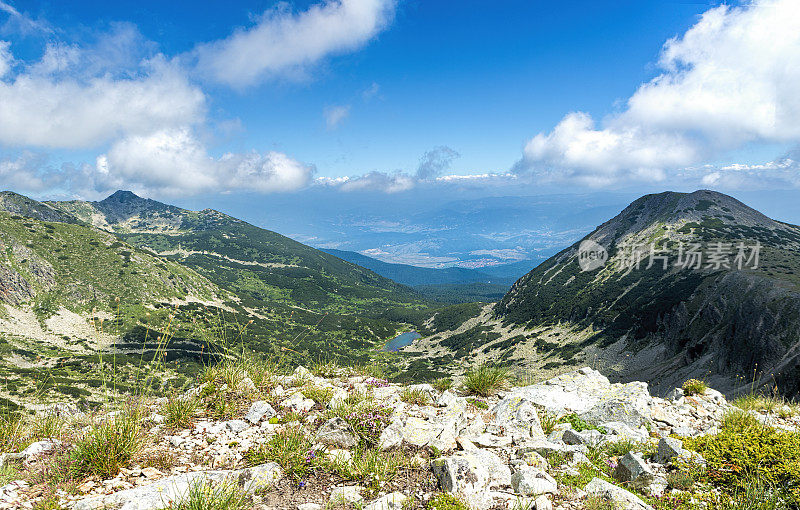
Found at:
[446, 501]
[694, 387]
[207, 496]
[107, 447]
[578, 424]
[478, 403]
[484, 380]
[291, 448]
[416, 396]
[745, 450]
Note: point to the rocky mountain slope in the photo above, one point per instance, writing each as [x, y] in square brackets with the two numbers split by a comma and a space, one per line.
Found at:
[713, 311]
[303, 441]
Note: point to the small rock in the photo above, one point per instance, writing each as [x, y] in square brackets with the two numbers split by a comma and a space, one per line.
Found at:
[622, 499]
[542, 503]
[336, 432]
[309, 506]
[393, 501]
[236, 425]
[151, 472]
[259, 410]
[668, 449]
[530, 481]
[347, 494]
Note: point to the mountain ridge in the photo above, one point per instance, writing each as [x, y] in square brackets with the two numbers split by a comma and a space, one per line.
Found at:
[654, 324]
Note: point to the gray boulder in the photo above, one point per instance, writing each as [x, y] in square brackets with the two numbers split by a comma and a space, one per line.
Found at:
[531, 481]
[259, 410]
[336, 432]
[632, 468]
[622, 499]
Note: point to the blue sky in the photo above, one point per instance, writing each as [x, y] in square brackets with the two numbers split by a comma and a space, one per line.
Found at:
[151, 95]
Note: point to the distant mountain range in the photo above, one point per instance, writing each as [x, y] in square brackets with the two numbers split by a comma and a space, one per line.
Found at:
[729, 320]
[448, 284]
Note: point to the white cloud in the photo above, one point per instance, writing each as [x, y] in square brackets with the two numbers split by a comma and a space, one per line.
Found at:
[79, 98]
[6, 58]
[21, 22]
[435, 161]
[175, 162]
[335, 115]
[28, 172]
[381, 181]
[731, 79]
[286, 43]
[371, 92]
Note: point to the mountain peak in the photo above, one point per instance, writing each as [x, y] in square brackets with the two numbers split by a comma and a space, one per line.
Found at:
[123, 196]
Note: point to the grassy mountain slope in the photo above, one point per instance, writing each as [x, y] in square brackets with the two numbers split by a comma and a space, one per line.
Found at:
[258, 265]
[125, 274]
[655, 324]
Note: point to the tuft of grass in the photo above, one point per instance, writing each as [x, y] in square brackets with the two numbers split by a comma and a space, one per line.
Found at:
[484, 380]
[446, 501]
[598, 503]
[49, 426]
[49, 502]
[415, 396]
[204, 495]
[548, 421]
[228, 371]
[766, 404]
[318, 394]
[107, 447]
[442, 384]
[326, 368]
[179, 412]
[372, 468]
[364, 414]
[694, 387]
[291, 448]
[13, 433]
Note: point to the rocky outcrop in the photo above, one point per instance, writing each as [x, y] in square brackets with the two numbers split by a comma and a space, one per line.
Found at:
[498, 457]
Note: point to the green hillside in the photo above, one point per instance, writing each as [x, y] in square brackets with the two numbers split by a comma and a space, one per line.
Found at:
[260, 266]
[123, 276]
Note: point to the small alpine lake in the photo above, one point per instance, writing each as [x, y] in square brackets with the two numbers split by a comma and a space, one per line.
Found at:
[401, 340]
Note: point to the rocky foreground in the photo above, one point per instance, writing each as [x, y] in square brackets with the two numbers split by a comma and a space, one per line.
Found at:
[366, 443]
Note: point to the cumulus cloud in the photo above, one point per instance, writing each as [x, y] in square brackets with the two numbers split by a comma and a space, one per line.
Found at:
[334, 115]
[80, 98]
[176, 162]
[431, 165]
[436, 161]
[28, 172]
[731, 79]
[381, 181]
[282, 42]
